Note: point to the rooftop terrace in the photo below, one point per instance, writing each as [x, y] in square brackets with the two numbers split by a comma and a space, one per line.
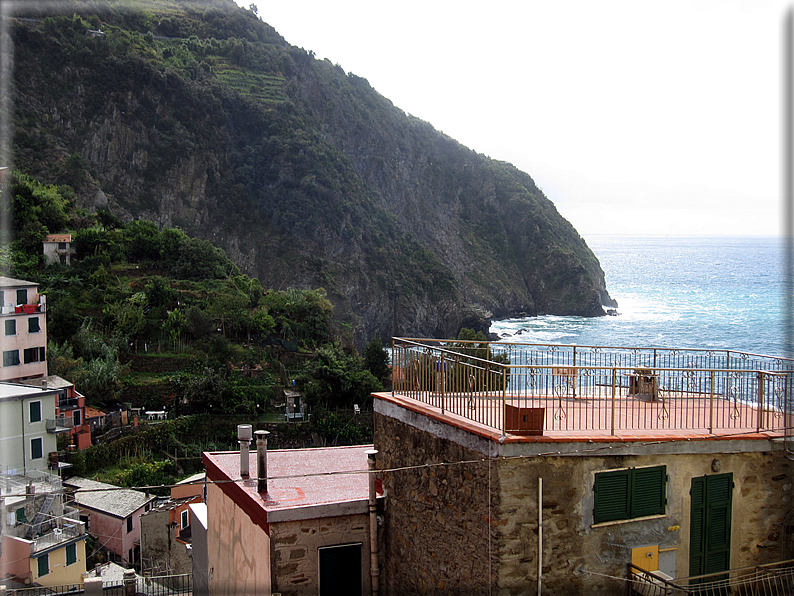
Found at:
[534, 392]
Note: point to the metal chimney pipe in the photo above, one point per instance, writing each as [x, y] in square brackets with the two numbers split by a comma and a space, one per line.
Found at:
[244, 435]
[261, 460]
[374, 569]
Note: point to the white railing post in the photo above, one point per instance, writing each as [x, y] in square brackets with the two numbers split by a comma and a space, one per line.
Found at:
[760, 400]
[614, 389]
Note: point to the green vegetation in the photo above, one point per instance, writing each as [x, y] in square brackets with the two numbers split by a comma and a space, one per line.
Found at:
[159, 320]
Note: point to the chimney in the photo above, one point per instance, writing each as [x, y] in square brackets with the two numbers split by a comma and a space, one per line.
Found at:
[261, 461]
[244, 435]
[44, 383]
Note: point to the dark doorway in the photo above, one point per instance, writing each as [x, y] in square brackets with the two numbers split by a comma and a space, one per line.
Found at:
[340, 570]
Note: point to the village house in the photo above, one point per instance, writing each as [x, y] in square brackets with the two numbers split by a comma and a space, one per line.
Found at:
[43, 539]
[58, 249]
[112, 516]
[26, 439]
[166, 530]
[23, 338]
[581, 470]
[302, 525]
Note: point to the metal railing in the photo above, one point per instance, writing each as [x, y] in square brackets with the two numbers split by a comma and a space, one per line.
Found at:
[587, 388]
[69, 529]
[167, 585]
[773, 579]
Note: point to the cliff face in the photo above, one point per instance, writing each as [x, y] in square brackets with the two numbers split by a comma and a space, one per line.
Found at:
[305, 175]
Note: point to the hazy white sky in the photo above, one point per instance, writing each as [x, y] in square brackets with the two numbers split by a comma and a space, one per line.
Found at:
[632, 116]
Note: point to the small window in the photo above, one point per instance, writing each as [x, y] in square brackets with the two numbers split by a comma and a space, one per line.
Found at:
[76, 418]
[62, 246]
[129, 524]
[71, 554]
[11, 327]
[34, 355]
[22, 296]
[35, 411]
[185, 518]
[36, 449]
[628, 494]
[11, 358]
[21, 518]
[33, 325]
[340, 570]
[146, 507]
[44, 565]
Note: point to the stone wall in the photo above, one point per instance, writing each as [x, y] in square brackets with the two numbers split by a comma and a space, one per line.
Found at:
[295, 545]
[440, 524]
[443, 524]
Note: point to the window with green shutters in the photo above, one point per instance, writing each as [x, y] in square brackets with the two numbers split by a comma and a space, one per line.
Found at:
[71, 554]
[33, 325]
[44, 565]
[36, 449]
[630, 493]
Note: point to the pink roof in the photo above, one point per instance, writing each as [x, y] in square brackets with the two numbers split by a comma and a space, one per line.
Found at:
[314, 481]
[58, 238]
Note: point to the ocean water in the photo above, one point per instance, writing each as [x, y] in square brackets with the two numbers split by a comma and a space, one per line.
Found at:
[679, 292]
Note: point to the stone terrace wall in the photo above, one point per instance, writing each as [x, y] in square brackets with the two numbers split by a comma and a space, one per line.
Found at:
[439, 527]
[295, 546]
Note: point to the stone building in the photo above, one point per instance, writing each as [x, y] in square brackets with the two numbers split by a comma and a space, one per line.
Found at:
[307, 533]
[477, 507]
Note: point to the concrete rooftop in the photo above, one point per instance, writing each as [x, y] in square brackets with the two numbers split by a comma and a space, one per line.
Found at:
[302, 483]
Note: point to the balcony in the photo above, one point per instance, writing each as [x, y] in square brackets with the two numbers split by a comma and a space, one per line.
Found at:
[585, 392]
[68, 529]
[62, 424]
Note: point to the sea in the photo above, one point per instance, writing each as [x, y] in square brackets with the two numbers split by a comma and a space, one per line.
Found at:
[680, 292]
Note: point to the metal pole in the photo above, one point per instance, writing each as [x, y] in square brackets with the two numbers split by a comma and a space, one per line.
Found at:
[374, 569]
[614, 381]
[261, 461]
[711, 405]
[760, 400]
[540, 533]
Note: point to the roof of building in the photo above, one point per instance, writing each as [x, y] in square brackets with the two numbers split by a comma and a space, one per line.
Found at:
[10, 282]
[93, 412]
[11, 391]
[107, 498]
[58, 238]
[53, 382]
[302, 483]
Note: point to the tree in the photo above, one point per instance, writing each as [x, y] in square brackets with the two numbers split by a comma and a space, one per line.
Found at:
[376, 359]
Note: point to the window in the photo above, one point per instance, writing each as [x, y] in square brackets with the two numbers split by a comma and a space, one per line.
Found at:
[33, 325]
[185, 518]
[36, 449]
[62, 246]
[129, 524]
[35, 411]
[22, 296]
[21, 518]
[71, 554]
[627, 494]
[11, 326]
[340, 570]
[11, 358]
[34, 355]
[44, 565]
[76, 418]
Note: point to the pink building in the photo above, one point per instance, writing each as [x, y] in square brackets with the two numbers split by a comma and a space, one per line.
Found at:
[309, 532]
[23, 337]
[113, 516]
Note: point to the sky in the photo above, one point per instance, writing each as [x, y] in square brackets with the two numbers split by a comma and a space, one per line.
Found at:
[632, 117]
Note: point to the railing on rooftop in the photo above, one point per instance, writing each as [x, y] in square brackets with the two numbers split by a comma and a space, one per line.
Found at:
[15, 482]
[773, 579]
[68, 530]
[511, 387]
[167, 585]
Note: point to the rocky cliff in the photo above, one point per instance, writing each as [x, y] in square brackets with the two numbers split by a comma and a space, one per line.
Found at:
[199, 115]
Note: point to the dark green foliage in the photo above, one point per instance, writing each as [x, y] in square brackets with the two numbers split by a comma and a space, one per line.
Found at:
[376, 359]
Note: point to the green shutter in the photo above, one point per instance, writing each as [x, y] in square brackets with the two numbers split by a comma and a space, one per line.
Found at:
[649, 494]
[43, 565]
[710, 524]
[611, 492]
[36, 449]
[71, 554]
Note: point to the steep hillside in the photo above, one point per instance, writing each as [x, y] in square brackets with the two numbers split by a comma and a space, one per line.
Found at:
[199, 115]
